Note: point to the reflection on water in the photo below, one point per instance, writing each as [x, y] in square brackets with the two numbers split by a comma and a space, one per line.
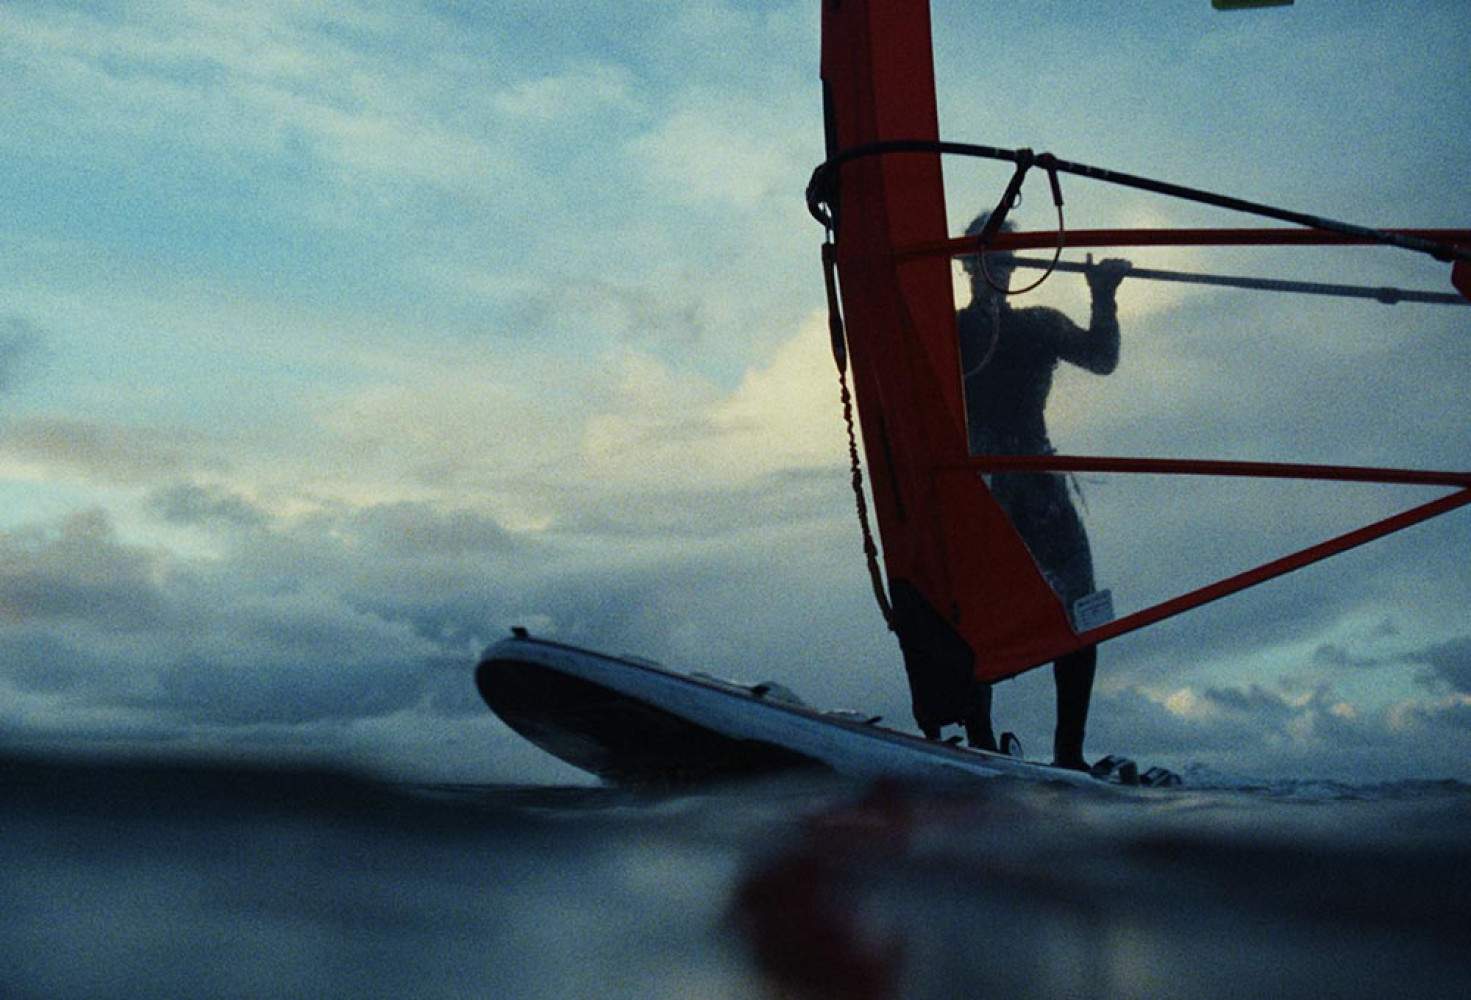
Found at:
[186, 880]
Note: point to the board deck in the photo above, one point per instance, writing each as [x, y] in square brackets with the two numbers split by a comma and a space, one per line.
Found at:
[631, 721]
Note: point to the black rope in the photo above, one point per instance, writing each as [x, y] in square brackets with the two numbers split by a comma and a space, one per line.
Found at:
[1010, 199]
[870, 547]
[836, 334]
[840, 357]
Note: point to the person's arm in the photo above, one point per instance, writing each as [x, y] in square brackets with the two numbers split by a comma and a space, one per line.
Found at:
[1096, 348]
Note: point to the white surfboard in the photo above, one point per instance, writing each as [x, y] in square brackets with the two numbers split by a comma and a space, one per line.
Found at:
[632, 721]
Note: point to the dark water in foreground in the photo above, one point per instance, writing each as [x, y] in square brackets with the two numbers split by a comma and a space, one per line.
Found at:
[186, 880]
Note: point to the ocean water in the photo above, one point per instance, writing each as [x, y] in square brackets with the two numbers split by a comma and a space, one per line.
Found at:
[187, 879]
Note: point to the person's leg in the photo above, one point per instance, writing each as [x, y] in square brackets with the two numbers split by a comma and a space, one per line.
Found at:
[978, 731]
[1073, 676]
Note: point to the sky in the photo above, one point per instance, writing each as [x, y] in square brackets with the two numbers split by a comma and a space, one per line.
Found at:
[337, 338]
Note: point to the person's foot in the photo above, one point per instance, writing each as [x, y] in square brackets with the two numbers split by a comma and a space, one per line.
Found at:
[980, 735]
[1067, 749]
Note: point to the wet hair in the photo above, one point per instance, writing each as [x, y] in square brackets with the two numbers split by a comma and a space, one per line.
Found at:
[979, 223]
[972, 262]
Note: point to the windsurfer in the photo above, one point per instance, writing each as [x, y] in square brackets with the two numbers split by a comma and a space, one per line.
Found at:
[1008, 357]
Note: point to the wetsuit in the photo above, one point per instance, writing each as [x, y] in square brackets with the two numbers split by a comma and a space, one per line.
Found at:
[1009, 357]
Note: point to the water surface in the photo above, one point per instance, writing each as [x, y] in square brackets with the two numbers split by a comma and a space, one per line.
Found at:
[183, 878]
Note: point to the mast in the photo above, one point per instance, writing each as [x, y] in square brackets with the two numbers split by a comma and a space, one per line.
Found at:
[967, 599]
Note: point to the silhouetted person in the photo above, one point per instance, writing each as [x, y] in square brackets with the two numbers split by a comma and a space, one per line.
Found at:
[1008, 357]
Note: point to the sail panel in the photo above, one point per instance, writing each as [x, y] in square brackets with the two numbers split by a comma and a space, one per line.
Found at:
[980, 587]
[969, 601]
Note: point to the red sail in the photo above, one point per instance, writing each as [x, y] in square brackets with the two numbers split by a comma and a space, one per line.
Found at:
[968, 600]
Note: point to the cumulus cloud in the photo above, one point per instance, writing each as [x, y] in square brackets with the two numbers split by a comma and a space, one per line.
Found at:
[210, 650]
[705, 159]
[76, 571]
[1450, 664]
[323, 631]
[1249, 731]
[1255, 702]
[673, 429]
[1447, 719]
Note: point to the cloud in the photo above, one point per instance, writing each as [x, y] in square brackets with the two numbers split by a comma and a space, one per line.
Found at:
[1249, 732]
[580, 91]
[302, 632]
[76, 571]
[419, 531]
[787, 410]
[189, 504]
[1448, 719]
[662, 427]
[40, 662]
[1336, 657]
[1450, 663]
[709, 157]
[334, 121]
[98, 451]
[325, 632]
[20, 342]
[1254, 702]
